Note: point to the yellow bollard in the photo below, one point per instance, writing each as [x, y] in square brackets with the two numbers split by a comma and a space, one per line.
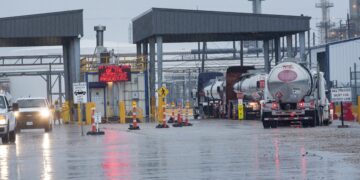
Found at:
[122, 112]
[241, 111]
[160, 110]
[65, 112]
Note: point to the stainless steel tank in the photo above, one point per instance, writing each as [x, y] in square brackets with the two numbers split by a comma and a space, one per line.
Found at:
[215, 90]
[289, 82]
[252, 86]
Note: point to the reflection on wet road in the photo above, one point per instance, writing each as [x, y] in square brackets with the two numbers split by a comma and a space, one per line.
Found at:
[209, 150]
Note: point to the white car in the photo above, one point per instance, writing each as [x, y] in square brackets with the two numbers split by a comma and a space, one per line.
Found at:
[7, 121]
[33, 113]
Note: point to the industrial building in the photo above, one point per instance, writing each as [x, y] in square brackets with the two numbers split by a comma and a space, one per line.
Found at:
[337, 59]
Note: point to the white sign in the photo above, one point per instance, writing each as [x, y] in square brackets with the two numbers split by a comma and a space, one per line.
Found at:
[80, 92]
[97, 118]
[341, 95]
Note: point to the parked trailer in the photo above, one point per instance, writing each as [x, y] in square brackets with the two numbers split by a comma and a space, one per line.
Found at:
[215, 95]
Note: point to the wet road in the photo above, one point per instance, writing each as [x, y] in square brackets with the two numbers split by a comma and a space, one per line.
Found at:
[209, 150]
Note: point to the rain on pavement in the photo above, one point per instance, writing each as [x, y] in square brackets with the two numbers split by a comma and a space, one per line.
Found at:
[211, 149]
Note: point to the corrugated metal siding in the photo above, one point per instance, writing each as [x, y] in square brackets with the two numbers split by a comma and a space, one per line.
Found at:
[189, 22]
[59, 24]
[342, 56]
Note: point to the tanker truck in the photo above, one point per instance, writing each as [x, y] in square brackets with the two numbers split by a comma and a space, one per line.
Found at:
[294, 95]
[251, 86]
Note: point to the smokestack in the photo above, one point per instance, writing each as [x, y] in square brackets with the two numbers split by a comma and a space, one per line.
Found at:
[100, 35]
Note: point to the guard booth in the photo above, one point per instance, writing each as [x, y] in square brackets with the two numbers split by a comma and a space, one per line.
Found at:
[111, 83]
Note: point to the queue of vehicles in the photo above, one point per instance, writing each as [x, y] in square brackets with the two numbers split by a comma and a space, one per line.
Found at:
[25, 113]
[291, 94]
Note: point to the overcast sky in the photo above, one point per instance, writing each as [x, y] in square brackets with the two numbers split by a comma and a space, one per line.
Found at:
[117, 14]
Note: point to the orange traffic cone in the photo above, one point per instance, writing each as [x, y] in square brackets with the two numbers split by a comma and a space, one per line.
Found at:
[179, 119]
[163, 125]
[134, 125]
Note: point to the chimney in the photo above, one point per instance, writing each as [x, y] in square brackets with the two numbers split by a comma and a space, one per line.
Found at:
[100, 35]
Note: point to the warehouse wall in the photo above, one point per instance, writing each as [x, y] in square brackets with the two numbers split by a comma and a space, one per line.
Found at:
[342, 56]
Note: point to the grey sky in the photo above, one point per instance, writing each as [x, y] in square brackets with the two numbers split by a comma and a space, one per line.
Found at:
[117, 14]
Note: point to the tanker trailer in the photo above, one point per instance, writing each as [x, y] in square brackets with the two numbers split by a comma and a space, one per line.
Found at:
[215, 94]
[199, 95]
[294, 95]
[252, 87]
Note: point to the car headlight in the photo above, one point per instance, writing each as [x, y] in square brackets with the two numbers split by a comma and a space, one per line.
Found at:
[16, 114]
[45, 113]
[2, 120]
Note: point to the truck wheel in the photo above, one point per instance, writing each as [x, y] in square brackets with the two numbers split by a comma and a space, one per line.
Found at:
[305, 124]
[312, 122]
[266, 124]
[274, 124]
[326, 122]
[48, 128]
[12, 136]
[5, 139]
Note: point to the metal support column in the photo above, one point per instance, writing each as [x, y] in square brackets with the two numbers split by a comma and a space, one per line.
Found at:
[203, 57]
[309, 49]
[241, 53]
[146, 77]
[138, 49]
[267, 65]
[60, 89]
[277, 50]
[302, 47]
[159, 53]
[71, 51]
[152, 79]
[289, 45]
[234, 48]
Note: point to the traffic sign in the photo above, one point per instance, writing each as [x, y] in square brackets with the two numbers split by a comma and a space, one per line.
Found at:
[97, 117]
[341, 95]
[80, 92]
[163, 91]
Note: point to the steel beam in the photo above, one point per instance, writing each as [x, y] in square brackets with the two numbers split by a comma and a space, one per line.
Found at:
[267, 65]
[159, 53]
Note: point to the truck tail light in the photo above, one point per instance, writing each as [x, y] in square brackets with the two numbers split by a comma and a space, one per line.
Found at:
[274, 106]
[301, 105]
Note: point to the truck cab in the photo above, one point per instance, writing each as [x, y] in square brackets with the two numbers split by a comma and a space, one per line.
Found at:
[7, 121]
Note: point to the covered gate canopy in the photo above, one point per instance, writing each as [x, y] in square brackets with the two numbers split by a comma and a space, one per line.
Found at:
[175, 25]
[49, 29]
[159, 25]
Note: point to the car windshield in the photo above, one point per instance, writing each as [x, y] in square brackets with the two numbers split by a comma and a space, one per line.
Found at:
[2, 103]
[28, 103]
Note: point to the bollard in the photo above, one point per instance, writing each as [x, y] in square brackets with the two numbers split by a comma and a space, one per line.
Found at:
[134, 125]
[172, 117]
[187, 114]
[122, 112]
[93, 120]
[163, 125]
[179, 123]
